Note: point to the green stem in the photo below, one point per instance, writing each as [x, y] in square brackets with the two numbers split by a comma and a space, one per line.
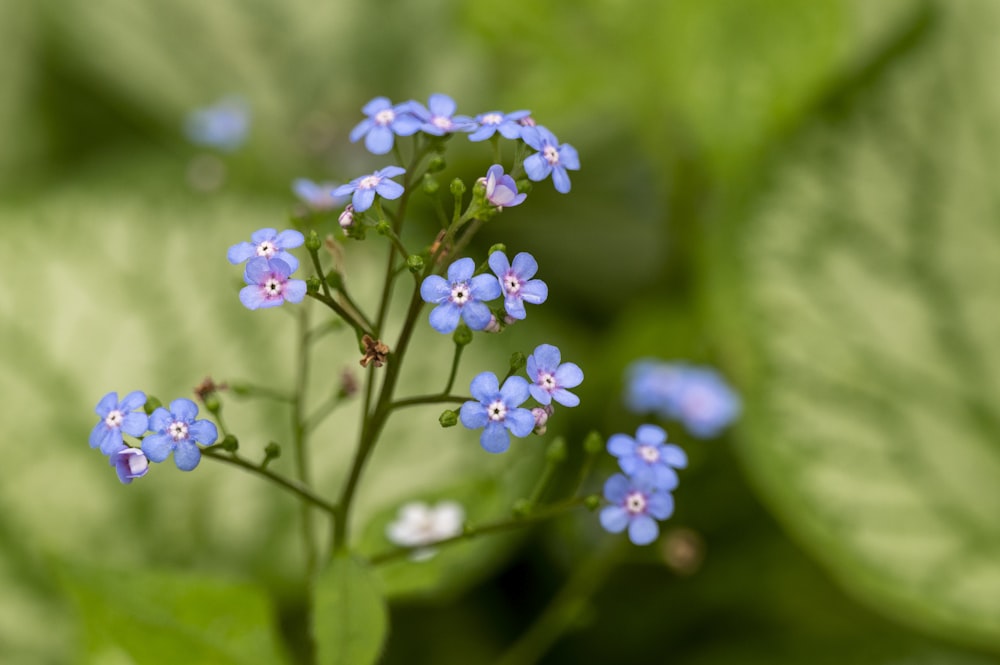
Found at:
[359, 327]
[250, 390]
[454, 368]
[428, 399]
[299, 439]
[303, 492]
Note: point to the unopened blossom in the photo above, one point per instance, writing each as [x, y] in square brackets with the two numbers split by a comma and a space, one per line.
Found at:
[268, 244]
[516, 282]
[117, 417]
[177, 431]
[346, 218]
[507, 124]
[550, 378]
[268, 284]
[129, 463]
[384, 123]
[501, 190]
[553, 158]
[418, 524]
[461, 296]
[635, 505]
[364, 188]
[648, 456]
[497, 410]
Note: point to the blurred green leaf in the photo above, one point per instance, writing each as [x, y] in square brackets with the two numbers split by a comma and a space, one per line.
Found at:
[351, 619]
[869, 297]
[167, 617]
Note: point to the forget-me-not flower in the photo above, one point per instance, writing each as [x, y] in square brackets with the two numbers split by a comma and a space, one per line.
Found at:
[460, 296]
[268, 284]
[384, 123]
[366, 187]
[269, 244]
[129, 463]
[439, 117]
[552, 157]
[418, 524]
[636, 505]
[118, 417]
[506, 123]
[497, 411]
[648, 456]
[516, 282]
[176, 431]
[317, 196]
[550, 378]
[223, 125]
[501, 190]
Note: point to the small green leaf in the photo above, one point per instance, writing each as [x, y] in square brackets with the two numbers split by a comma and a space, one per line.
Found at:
[351, 618]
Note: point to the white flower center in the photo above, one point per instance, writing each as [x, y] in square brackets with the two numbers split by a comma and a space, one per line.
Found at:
[441, 122]
[272, 287]
[649, 453]
[511, 283]
[178, 430]
[547, 381]
[497, 411]
[385, 117]
[369, 182]
[460, 294]
[635, 503]
[267, 249]
[492, 119]
[551, 155]
[114, 419]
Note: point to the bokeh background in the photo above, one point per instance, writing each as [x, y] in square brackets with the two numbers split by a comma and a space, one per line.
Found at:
[800, 193]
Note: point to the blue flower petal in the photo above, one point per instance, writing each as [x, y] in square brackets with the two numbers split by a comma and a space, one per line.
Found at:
[525, 266]
[631, 465]
[537, 168]
[569, 375]
[157, 447]
[476, 315]
[389, 189]
[494, 438]
[379, 140]
[135, 423]
[485, 288]
[531, 367]
[295, 290]
[289, 238]
[461, 270]
[344, 190]
[252, 297]
[440, 104]
[184, 409]
[621, 445]
[444, 318]
[97, 434]
[531, 136]
[107, 404]
[560, 179]
[534, 292]
[375, 105]
[653, 435]
[204, 431]
[361, 129]
[257, 271]
[187, 455]
[435, 289]
[485, 387]
[260, 235]
[547, 357]
[541, 395]
[160, 419]
[112, 441]
[643, 530]
[362, 199]
[514, 391]
[483, 133]
[616, 487]
[498, 262]
[406, 125]
[565, 397]
[520, 422]
[133, 401]
[514, 306]
[473, 415]
[289, 259]
[662, 477]
[390, 172]
[674, 456]
[614, 519]
[568, 157]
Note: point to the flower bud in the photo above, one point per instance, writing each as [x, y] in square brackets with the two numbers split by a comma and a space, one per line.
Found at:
[271, 451]
[415, 263]
[312, 284]
[211, 402]
[517, 361]
[430, 184]
[230, 443]
[493, 326]
[383, 228]
[129, 463]
[556, 451]
[541, 415]
[346, 218]
[594, 443]
[152, 404]
[593, 502]
[462, 335]
[335, 280]
[499, 247]
[457, 187]
[448, 418]
[313, 242]
[436, 164]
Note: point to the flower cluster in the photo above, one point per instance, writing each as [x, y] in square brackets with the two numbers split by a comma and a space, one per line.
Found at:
[268, 267]
[640, 496]
[163, 432]
[698, 397]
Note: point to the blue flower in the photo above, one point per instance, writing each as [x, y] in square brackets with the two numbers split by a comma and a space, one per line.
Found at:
[118, 417]
[365, 188]
[507, 124]
[439, 117]
[223, 125]
[460, 296]
[498, 411]
[269, 285]
[269, 244]
[501, 190]
[384, 123]
[317, 196]
[176, 431]
[550, 379]
[516, 283]
[637, 505]
[551, 158]
[699, 397]
[129, 463]
[648, 456]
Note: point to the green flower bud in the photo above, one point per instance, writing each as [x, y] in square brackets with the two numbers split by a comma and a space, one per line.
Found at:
[517, 361]
[593, 502]
[271, 451]
[556, 451]
[313, 242]
[312, 284]
[448, 418]
[334, 280]
[436, 165]
[462, 335]
[383, 228]
[430, 185]
[594, 443]
[212, 403]
[499, 247]
[152, 404]
[457, 187]
[230, 443]
[415, 263]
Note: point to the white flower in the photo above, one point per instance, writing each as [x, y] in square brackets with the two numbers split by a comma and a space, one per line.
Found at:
[419, 524]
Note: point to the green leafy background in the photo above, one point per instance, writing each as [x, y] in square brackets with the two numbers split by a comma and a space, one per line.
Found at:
[796, 192]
